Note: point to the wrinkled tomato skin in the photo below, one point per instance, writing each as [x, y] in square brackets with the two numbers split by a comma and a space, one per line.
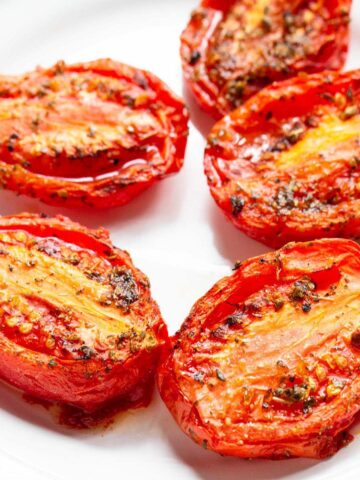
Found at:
[54, 352]
[232, 49]
[284, 166]
[70, 384]
[250, 376]
[90, 134]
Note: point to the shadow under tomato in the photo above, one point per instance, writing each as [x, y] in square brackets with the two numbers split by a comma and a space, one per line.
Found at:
[202, 121]
[12, 402]
[211, 466]
[66, 419]
[231, 243]
[154, 205]
[162, 195]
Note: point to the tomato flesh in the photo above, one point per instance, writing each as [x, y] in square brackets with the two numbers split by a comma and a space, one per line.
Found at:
[92, 134]
[232, 49]
[77, 322]
[267, 363]
[285, 166]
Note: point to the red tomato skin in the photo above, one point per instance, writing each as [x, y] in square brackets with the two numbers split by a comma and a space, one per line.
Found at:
[320, 439]
[68, 384]
[95, 155]
[88, 384]
[199, 35]
[295, 97]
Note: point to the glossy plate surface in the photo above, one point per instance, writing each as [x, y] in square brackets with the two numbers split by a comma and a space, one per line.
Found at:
[175, 234]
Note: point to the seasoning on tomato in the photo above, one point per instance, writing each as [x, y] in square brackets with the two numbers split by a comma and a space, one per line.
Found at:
[267, 363]
[95, 134]
[231, 49]
[77, 321]
[286, 165]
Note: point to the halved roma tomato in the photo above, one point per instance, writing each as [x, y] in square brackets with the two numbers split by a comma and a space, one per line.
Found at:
[96, 133]
[77, 321]
[233, 48]
[267, 363]
[286, 165]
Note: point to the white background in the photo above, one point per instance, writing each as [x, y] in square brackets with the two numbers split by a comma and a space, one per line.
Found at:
[175, 234]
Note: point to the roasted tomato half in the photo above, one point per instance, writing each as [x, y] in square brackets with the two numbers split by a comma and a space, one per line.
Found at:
[77, 322]
[231, 49]
[267, 363]
[286, 165]
[95, 134]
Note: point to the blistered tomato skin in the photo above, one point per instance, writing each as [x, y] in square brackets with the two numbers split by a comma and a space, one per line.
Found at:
[267, 363]
[77, 321]
[95, 134]
[232, 49]
[285, 166]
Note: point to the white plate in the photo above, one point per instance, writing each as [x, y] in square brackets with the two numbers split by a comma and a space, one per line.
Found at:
[175, 234]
